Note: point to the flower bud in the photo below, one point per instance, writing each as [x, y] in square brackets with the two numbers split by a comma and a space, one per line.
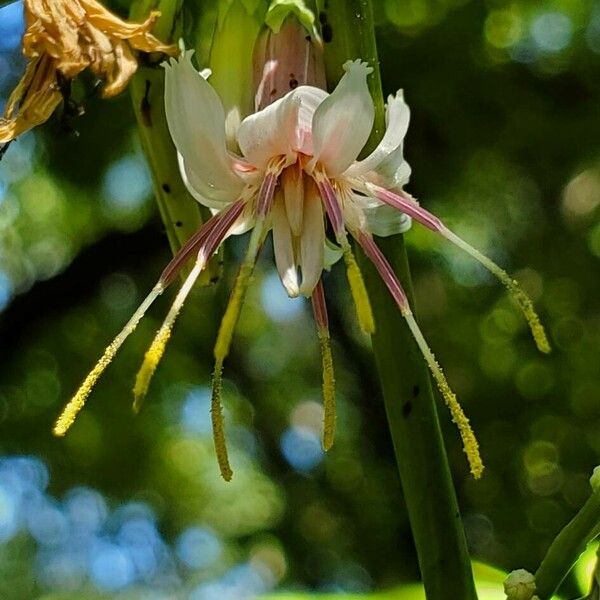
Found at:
[285, 59]
[519, 585]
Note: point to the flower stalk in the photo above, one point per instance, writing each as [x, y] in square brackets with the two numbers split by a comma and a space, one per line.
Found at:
[180, 213]
[410, 406]
[569, 544]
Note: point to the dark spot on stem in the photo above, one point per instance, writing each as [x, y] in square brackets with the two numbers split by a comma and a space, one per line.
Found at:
[166, 188]
[293, 83]
[327, 33]
[416, 391]
[308, 38]
[145, 107]
[407, 409]
[178, 224]
[322, 18]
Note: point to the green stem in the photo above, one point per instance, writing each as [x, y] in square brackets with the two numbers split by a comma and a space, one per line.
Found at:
[179, 211]
[410, 406]
[567, 547]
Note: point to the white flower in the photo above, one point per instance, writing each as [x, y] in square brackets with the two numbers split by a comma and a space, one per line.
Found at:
[297, 168]
[307, 142]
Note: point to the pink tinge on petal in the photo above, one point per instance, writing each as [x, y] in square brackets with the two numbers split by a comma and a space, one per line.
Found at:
[385, 271]
[331, 204]
[264, 200]
[207, 239]
[409, 206]
[319, 306]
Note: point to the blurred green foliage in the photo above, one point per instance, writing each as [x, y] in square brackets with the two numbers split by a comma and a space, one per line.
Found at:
[503, 144]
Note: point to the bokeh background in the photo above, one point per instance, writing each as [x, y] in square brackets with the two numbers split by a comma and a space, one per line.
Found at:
[504, 145]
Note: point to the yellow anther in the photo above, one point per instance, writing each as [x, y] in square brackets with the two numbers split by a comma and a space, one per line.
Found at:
[359, 293]
[515, 290]
[526, 305]
[216, 413]
[159, 343]
[469, 441]
[234, 306]
[151, 360]
[67, 417]
[223, 343]
[328, 390]
[69, 413]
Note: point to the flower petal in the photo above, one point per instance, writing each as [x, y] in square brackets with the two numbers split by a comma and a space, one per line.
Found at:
[197, 125]
[283, 248]
[342, 123]
[268, 133]
[397, 117]
[292, 184]
[312, 241]
[385, 221]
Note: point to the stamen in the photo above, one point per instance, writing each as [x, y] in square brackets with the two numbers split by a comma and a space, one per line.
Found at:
[405, 203]
[470, 445]
[216, 413]
[329, 417]
[515, 290]
[223, 343]
[69, 413]
[359, 292]
[330, 201]
[159, 344]
[218, 224]
[355, 279]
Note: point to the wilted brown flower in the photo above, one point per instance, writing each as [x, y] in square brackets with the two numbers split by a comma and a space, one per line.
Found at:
[64, 37]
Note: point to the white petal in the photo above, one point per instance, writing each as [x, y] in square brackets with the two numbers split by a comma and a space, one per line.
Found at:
[385, 220]
[312, 241]
[310, 99]
[268, 133]
[292, 184]
[197, 125]
[331, 254]
[397, 118]
[283, 248]
[342, 123]
[394, 171]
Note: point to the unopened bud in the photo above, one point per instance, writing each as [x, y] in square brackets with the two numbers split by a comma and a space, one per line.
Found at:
[595, 479]
[519, 585]
[285, 60]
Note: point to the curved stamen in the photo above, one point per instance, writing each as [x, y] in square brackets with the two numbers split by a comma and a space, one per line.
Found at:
[355, 279]
[409, 205]
[224, 219]
[231, 317]
[322, 322]
[470, 444]
[77, 402]
[208, 246]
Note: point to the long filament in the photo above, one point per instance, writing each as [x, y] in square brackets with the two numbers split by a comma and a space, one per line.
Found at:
[77, 402]
[355, 278]
[407, 204]
[223, 344]
[329, 408]
[469, 441]
[515, 290]
[159, 343]
[470, 444]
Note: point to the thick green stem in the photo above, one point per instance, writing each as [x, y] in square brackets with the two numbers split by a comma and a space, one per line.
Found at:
[179, 212]
[568, 546]
[412, 415]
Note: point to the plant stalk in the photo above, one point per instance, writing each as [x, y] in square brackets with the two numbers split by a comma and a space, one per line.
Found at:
[568, 546]
[179, 211]
[348, 33]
